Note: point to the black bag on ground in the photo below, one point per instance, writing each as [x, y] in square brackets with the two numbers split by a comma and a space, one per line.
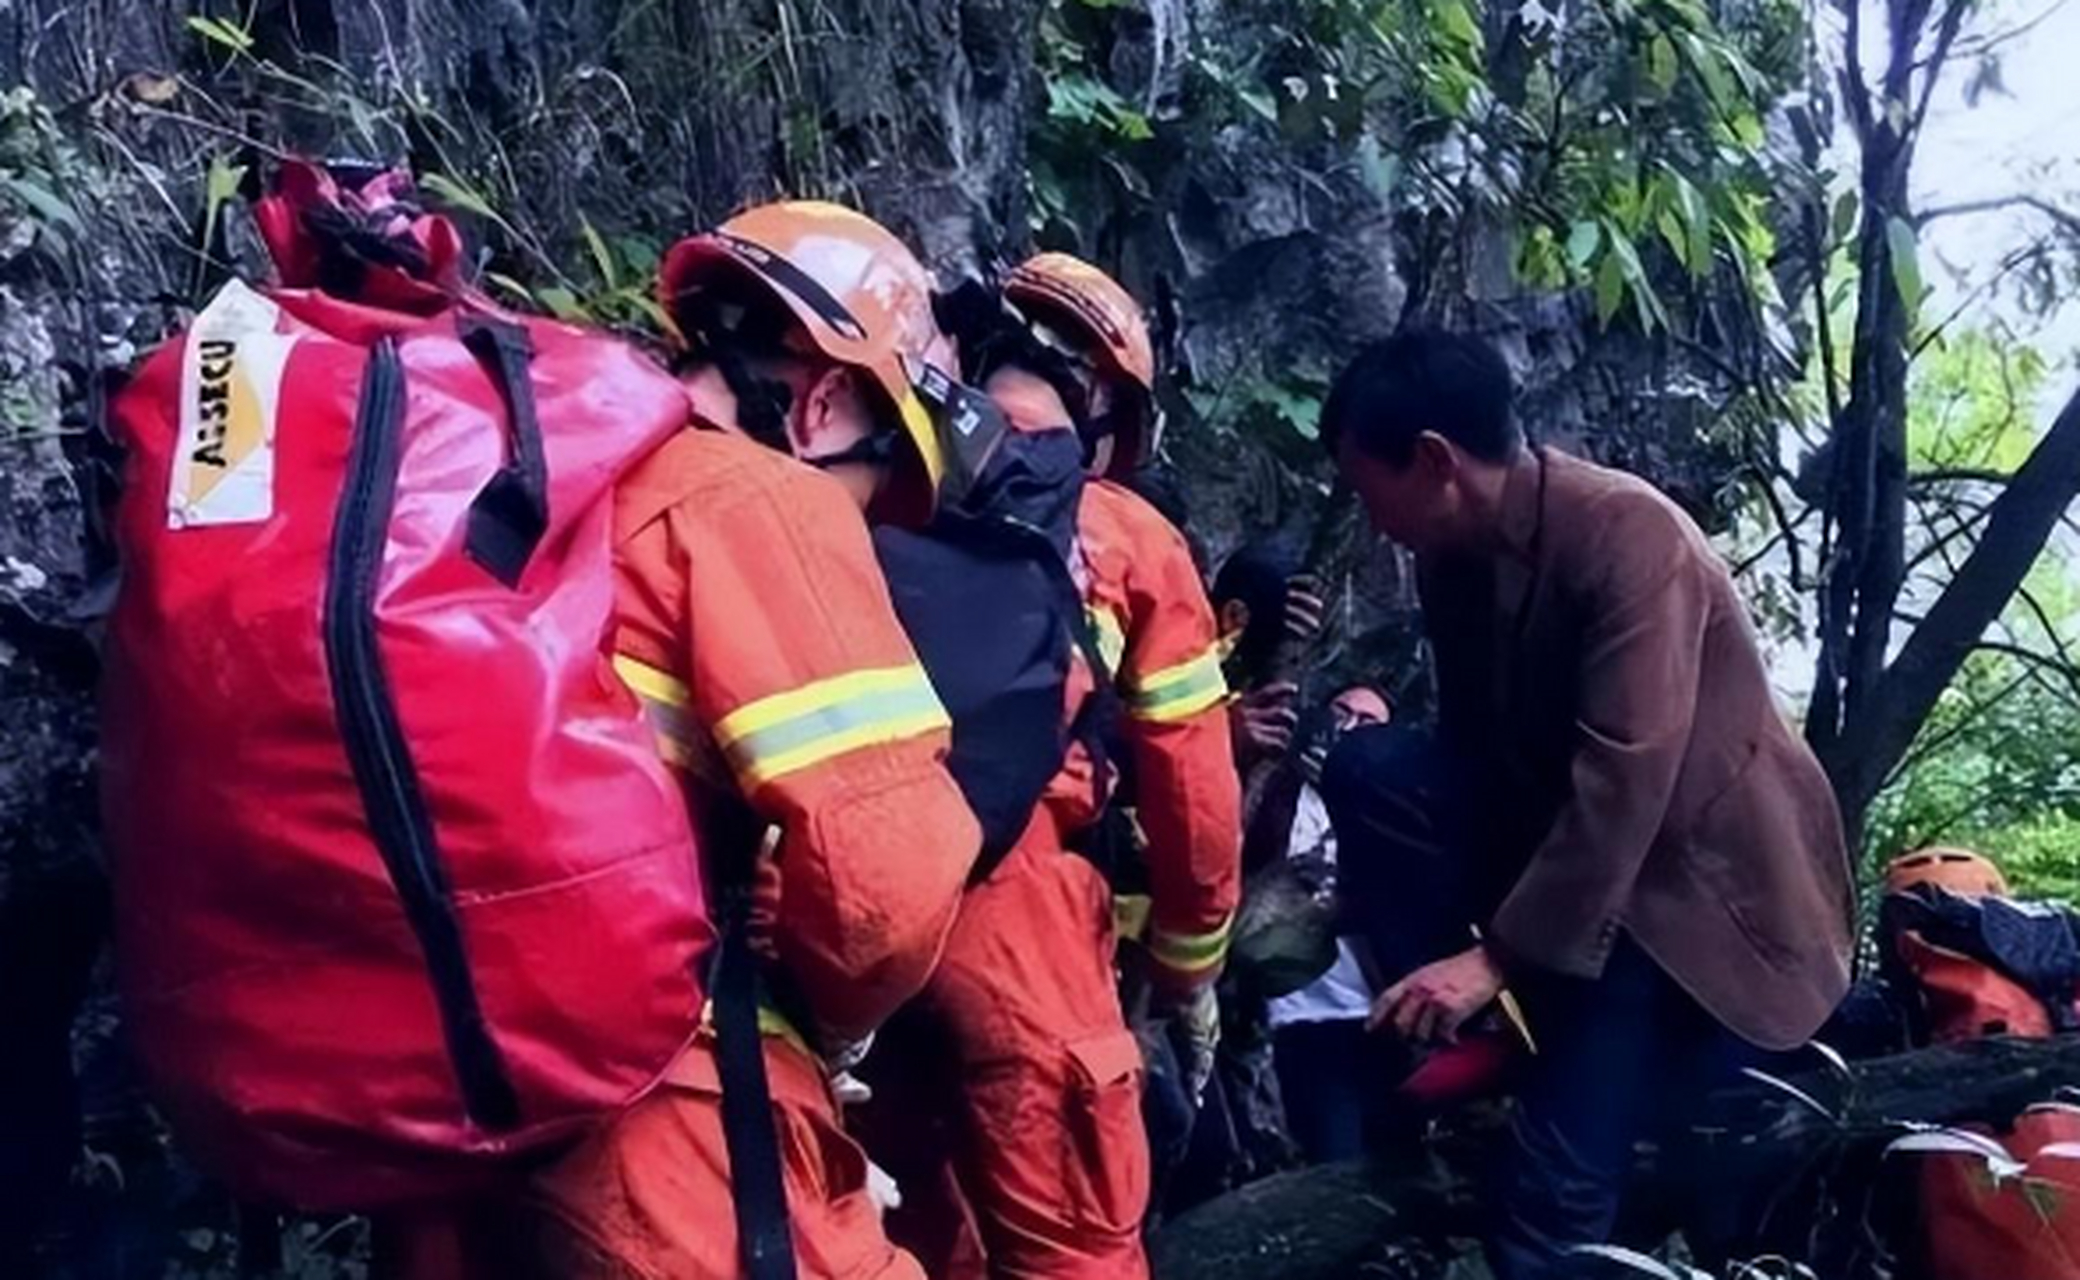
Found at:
[987, 597]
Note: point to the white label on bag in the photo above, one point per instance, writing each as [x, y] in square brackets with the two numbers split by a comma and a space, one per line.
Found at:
[231, 389]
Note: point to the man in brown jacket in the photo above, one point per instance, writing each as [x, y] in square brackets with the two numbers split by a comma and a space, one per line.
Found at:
[1656, 863]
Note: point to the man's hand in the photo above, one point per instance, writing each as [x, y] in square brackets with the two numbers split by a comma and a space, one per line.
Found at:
[1265, 718]
[1305, 609]
[1431, 1004]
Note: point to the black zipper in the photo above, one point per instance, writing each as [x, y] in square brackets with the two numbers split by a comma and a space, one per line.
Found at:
[376, 747]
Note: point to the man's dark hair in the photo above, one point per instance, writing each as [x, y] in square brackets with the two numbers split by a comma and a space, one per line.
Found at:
[1423, 380]
[1259, 575]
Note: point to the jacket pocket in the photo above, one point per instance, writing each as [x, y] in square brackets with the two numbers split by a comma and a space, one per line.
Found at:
[1699, 820]
[1105, 1152]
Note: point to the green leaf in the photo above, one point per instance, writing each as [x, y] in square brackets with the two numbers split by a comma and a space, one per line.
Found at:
[459, 195]
[652, 311]
[1633, 273]
[222, 31]
[1260, 102]
[1298, 410]
[1674, 234]
[1627, 254]
[43, 202]
[1133, 126]
[1747, 130]
[223, 182]
[1540, 262]
[1382, 172]
[1072, 98]
[1129, 178]
[1905, 253]
[1690, 13]
[1718, 84]
[602, 257]
[1610, 289]
[510, 285]
[563, 304]
[1696, 214]
[1453, 20]
[1846, 208]
[219, 189]
[1662, 66]
[639, 253]
[1582, 242]
[2044, 1199]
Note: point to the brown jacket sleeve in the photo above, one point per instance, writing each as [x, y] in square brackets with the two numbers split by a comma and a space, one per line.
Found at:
[1644, 600]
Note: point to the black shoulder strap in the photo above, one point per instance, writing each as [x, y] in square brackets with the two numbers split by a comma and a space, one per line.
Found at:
[1096, 718]
[758, 1190]
[511, 512]
[1094, 721]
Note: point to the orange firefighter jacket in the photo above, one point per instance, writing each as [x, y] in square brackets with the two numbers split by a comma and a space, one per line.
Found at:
[1157, 632]
[756, 628]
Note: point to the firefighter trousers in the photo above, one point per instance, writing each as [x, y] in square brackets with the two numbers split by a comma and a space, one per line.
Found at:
[1020, 1043]
[648, 1196]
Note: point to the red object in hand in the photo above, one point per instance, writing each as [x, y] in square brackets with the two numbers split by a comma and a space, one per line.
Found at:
[1472, 1068]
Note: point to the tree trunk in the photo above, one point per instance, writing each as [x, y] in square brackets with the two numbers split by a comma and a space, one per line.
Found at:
[1329, 1223]
[2018, 526]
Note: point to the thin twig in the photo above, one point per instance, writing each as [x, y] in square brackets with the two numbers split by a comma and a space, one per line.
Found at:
[223, 131]
[2067, 220]
[1987, 44]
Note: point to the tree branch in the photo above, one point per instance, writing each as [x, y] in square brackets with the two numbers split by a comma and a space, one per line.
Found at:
[1957, 475]
[2018, 525]
[2009, 266]
[2064, 670]
[2067, 221]
[1856, 91]
[1946, 36]
[1984, 45]
[1926, 749]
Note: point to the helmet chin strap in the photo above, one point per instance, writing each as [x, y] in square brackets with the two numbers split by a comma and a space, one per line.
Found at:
[873, 450]
[762, 403]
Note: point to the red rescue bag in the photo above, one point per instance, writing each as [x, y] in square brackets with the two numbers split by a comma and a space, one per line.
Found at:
[402, 887]
[1984, 1224]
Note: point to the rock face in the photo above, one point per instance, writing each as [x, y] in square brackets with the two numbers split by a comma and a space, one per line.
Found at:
[627, 118]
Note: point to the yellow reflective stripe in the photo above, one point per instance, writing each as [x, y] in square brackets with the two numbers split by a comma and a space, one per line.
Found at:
[820, 695]
[664, 698]
[791, 731]
[1178, 692]
[1191, 952]
[1130, 914]
[770, 1023]
[1112, 637]
[660, 686]
[764, 770]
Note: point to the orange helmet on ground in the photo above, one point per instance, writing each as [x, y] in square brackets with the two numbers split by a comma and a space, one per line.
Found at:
[1960, 871]
[1104, 321]
[860, 295]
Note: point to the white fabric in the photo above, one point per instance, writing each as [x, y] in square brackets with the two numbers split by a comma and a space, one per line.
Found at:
[1340, 995]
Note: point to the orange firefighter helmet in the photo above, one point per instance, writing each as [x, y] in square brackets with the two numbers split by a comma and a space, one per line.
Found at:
[1960, 871]
[1105, 322]
[860, 295]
